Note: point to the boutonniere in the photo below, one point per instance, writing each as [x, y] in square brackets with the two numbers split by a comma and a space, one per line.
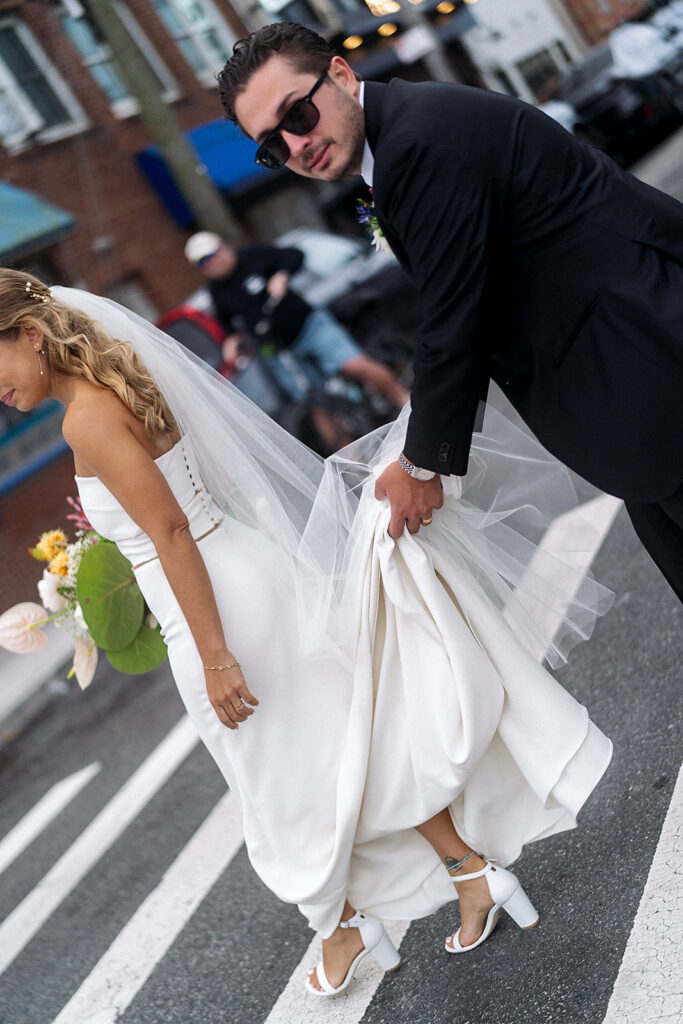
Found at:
[366, 215]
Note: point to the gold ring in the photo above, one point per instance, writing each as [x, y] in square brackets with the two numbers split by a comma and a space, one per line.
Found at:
[238, 707]
[426, 522]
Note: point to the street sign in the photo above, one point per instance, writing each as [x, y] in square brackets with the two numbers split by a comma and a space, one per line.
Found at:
[413, 44]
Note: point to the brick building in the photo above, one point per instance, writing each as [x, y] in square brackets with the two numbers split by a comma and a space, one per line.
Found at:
[597, 18]
[70, 133]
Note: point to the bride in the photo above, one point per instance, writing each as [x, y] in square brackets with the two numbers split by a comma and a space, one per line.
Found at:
[377, 705]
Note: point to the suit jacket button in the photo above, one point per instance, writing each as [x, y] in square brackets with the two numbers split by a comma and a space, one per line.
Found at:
[444, 450]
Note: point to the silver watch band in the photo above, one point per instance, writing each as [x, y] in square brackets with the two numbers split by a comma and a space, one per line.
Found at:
[415, 471]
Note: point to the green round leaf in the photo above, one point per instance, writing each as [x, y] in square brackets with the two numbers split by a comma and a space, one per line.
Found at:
[147, 650]
[113, 606]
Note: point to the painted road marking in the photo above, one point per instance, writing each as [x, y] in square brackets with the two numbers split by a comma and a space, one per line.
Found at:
[649, 986]
[42, 813]
[296, 1006]
[30, 915]
[575, 537]
[122, 971]
[142, 943]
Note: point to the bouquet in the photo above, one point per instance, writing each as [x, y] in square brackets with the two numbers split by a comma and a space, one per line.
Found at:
[88, 586]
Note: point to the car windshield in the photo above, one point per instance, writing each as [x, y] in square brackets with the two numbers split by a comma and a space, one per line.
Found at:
[323, 254]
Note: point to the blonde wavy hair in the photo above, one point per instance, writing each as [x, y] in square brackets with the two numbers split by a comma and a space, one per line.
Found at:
[77, 346]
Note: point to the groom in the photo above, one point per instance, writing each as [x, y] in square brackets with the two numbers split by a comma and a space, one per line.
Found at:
[540, 264]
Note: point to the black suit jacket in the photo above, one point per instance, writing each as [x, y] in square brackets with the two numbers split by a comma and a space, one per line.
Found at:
[542, 265]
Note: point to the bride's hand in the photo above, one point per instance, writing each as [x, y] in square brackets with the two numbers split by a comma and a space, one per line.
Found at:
[229, 695]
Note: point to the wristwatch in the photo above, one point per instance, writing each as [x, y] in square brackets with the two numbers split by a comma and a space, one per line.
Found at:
[417, 474]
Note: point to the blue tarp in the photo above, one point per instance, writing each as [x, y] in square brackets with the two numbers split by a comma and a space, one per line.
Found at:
[220, 147]
[28, 223]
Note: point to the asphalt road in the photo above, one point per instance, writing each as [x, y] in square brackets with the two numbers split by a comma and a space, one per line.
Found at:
[236, 953]
[233, 955]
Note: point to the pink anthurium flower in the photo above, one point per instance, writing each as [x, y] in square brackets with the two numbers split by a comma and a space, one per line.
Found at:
[18, 628]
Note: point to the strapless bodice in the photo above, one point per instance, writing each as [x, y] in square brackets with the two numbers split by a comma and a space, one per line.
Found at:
[110, 519]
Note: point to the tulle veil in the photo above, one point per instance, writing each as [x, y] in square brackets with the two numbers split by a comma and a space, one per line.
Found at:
[492, 523]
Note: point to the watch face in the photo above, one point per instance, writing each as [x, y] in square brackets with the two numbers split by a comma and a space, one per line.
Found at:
[423, 474]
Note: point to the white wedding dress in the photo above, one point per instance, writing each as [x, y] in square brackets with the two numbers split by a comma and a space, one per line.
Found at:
[441, 706]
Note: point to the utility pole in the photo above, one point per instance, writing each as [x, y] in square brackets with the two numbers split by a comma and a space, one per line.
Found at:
[202, 197]
[436, 61]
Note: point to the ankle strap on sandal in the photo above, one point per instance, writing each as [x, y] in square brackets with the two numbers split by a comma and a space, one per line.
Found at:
[353, 922]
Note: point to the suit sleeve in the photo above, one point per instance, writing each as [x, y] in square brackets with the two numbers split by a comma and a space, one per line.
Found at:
[443, 217]
[288, 259]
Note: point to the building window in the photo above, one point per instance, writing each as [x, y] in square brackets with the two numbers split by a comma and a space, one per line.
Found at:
[504, 81]
[200, 32]
[34, 100]
[541, 73]
[97, 56]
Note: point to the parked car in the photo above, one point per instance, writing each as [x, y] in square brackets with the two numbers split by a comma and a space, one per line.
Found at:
[627, 93]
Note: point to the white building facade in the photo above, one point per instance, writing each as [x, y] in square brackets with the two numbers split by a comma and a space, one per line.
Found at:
[522, 48]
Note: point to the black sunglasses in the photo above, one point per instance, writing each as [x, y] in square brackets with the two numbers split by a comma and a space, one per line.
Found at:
[300, 119]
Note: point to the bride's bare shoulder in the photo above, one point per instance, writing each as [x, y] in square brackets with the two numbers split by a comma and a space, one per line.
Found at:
[92, 412]
[97, 426]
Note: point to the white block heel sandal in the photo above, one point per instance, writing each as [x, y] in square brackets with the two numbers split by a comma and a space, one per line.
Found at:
[375, 941]
[508, 895]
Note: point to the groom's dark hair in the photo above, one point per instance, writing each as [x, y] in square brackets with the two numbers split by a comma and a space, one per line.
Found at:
[307, 51]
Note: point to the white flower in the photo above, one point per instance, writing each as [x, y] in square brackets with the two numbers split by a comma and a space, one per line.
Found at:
[380, 242]
[79, 619]
[47, 591]
[85, 660]
[18, 632]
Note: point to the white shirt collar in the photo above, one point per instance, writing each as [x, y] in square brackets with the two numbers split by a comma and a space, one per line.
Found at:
[367, 166]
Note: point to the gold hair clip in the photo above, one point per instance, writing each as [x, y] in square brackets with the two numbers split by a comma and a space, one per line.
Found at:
[41, 294]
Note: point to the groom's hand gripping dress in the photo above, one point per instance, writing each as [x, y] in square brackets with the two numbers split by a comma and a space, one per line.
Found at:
[412, 501]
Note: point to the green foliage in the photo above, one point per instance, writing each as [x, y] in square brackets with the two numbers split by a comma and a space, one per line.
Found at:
[112, 604]
[145, 652]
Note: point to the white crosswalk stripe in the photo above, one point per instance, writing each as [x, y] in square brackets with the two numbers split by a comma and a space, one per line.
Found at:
[296, 1006]
[42, 813]
[141, 945]
[649, 986]
[121, 972]
[23, 923]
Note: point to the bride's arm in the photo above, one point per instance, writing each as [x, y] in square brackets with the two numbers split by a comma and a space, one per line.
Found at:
[106, 445]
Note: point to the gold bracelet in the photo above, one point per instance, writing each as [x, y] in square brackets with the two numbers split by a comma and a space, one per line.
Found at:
[221, 668]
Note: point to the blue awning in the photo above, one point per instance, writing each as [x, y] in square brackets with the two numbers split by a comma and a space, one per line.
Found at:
[227, 155]
[28, 223]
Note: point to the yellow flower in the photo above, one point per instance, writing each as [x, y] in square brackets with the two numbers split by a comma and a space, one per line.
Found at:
[60, 564]
[49, 546]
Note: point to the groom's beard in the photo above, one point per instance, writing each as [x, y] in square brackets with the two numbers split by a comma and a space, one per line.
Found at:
[353, 130]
